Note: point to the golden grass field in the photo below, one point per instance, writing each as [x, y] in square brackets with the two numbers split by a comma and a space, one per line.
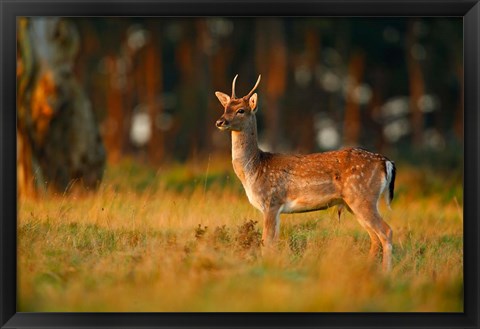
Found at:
[184, 238]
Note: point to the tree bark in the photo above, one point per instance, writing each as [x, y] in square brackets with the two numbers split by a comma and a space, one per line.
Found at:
[58, 139]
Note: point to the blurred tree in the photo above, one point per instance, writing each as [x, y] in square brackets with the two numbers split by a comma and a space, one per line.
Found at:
[443, 39]
[306, 98]
[189, 111]
[356, 68]
[152, 72]
[219, 62]
[114, 120]
[458, 126]
[271, 60]
[414, 53]
[203, 71]
[59, 142]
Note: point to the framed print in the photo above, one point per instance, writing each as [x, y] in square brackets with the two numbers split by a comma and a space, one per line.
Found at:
[239, 164]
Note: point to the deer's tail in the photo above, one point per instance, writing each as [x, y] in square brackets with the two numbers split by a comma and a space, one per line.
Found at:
[390, 172]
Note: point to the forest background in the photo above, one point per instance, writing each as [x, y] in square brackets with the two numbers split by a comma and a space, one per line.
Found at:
[120, 167]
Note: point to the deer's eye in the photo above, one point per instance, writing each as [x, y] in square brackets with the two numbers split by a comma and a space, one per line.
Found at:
[241, 111]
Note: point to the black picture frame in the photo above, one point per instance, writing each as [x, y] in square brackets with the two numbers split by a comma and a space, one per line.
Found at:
[9, 10]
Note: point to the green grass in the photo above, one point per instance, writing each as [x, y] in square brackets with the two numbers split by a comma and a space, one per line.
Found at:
[185, 238]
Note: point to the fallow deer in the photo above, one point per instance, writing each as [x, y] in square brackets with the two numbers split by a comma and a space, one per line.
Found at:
[277, 183]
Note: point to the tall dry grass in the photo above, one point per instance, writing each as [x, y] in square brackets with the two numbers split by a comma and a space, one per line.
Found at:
[185, 238]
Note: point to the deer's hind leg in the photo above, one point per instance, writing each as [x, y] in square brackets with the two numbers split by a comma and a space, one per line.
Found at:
[378, 230]
[375, 242]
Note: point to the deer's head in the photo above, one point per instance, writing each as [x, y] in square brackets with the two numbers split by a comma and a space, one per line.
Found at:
[237, 111]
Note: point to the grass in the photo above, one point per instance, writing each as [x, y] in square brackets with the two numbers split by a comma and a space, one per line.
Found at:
[184, 238]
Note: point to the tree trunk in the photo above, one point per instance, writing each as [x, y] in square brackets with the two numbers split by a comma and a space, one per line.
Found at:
[113, 124]
[58, 140]
[458, 125]
[272, 64]
[188, 115]
[416, 85]
[307, 120]
[352, 107]
[153, 78]
[374, 109]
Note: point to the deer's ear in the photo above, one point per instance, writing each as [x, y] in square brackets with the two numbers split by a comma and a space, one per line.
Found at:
[253, 103]
[223, 98]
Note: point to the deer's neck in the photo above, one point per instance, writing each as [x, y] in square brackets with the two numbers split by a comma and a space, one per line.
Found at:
[245, 152]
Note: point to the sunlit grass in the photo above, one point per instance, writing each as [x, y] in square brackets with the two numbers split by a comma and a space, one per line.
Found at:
[184, 238]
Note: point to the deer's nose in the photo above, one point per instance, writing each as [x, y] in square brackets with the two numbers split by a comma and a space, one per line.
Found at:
[221, 122]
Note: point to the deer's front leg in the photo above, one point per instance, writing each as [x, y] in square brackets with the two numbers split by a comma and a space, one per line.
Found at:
[271, 225]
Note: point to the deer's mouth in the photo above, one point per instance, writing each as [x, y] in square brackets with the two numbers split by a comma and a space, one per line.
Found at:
[223, 124]
[224, 128]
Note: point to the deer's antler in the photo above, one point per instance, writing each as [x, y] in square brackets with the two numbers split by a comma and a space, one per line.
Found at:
[254, 87]
[233, 87]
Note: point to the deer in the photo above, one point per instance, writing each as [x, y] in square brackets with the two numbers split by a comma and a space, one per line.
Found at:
[351, 178]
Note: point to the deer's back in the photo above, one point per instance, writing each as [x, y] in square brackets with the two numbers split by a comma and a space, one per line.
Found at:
[314, 181]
